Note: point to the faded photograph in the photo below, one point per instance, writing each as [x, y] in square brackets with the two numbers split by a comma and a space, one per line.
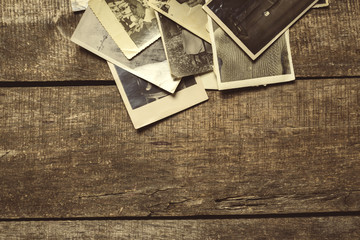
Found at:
[234, 65]
[150, 64]
[141, 93]
[147, 104]
[256, 22]
[187, 54]
[187, 13]
[165, 6]
[137, 18]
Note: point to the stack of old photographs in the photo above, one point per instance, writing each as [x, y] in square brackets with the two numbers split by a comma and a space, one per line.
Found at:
[163, 54]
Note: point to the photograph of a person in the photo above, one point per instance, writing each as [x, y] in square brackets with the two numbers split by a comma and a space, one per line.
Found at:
[187, 54]
[255, 24]
[234, 69]
[187, 13]
[150, 64]
[131, 23]
[147, 104]
[321, 3]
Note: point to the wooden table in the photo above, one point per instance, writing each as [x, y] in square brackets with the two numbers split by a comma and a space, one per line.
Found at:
[280, 161]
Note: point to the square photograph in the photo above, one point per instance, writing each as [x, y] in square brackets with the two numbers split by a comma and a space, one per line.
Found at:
[131, 23]
[234, 68]
[187, 54]
[255, 24]
[150, 64]
[147, 103]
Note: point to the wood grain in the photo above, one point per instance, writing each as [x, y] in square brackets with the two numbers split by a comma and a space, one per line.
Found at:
[271, 228]
[72, 152]
[35, 43]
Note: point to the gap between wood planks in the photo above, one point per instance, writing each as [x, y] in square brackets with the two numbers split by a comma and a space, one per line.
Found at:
[70, 83]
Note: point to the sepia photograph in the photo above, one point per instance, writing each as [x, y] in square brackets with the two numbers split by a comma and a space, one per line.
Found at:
[321, 4]
[187, 13]
[234, 69]
[131, 23]
[255, 24]
[187, 54]
[151, 64]
[147, 104]
[79, 5]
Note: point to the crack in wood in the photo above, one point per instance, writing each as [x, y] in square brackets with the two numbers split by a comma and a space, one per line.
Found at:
[4, 155]
[241, 202]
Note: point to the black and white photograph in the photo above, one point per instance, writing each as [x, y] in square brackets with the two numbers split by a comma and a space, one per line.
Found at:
[147, 104]
[321, 4]
[187, 13]
[255, 24]
[187, 54]
[79, 5]
[234, 69]
[151, 64]
[131, 23]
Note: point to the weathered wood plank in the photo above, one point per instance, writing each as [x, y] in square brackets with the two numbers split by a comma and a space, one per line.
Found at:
[35, 43]
[270, 228]
[72, 152]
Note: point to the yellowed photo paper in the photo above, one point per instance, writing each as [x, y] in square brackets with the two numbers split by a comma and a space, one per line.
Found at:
[187, 13]
[150, 64]
[147, 104]
[79, 5]
[321, 4]
[234, 69]
[208, 80]
[256, 24]
[131, 23]
[187, 54]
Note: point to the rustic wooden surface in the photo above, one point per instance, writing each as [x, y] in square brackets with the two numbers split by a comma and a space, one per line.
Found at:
[72, 152]
[271, 228]
[68, 149]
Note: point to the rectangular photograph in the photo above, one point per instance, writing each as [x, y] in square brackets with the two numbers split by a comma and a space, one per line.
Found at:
[187, 54]
[255, 24]
[187, 13]
[147, 103]
[234, 68]
[151, 64]
[321, 4]
[131, 23]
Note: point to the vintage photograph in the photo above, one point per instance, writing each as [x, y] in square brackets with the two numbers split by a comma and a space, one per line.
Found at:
[151, 64]
[208, 80]
[234, 69]
[321, 3]
[79, 5]
[131, 23]
[187, 13]
[147, 104]
[187, 54]
[255, 24]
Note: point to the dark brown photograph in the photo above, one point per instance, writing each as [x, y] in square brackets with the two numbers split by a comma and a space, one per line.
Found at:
[256, 23]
